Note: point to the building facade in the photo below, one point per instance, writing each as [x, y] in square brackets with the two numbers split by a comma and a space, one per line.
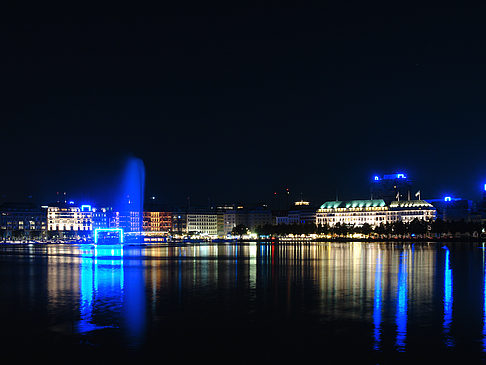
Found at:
[129, 221]
[232, 218]
[22, 220]
[373, 212]
[101, 217]
[202, 223]
[179, 223]
[454, 209]
[70, 220]
[157, 221]
[259, 217]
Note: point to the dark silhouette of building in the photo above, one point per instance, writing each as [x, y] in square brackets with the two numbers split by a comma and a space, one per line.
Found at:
[391, 187]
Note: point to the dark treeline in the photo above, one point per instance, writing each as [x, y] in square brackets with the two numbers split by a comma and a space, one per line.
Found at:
[419, 228]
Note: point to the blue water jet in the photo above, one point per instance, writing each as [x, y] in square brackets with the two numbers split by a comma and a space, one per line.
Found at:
[130, 202]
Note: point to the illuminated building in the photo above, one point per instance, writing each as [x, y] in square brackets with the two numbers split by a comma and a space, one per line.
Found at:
[302, 216]
[128, 220]
[230, 216]
[408, 210]
[233, 218]
[22, 220]
[284, 219]
[374, 212]
[101, 218]
[301, 213]
[301, 203]
[157, 221]
[179, 222]
[259, 217]
[220, 224]
[70, 219]
[204, 223]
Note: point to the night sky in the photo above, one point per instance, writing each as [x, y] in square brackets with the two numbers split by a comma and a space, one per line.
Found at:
[234, 103]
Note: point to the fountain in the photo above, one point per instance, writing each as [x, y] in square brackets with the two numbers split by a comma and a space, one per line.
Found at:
[130, 204]
[127, 217]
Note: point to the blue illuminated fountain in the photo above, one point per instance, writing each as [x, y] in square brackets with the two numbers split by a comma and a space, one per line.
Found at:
[129, 204]
[132, 193]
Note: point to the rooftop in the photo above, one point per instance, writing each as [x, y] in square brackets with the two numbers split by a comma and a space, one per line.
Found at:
[374, 203]
[411, 204]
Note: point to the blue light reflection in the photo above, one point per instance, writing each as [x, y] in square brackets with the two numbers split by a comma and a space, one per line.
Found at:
[448, 299]
[377, 304]
[484, 303]
[401, 312]
[109, 230]
[101, 280]
[113, 282]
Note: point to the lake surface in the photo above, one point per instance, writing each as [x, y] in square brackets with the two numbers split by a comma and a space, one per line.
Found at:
[249, 303]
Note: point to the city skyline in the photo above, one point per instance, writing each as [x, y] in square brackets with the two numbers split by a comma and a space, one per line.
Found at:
[282, 198]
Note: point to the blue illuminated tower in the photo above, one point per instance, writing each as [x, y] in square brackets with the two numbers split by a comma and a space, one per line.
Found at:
[391, 187]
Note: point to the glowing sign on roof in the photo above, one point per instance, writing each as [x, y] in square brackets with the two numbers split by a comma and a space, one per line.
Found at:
[447, 199]
[395, 176]
[86, 208]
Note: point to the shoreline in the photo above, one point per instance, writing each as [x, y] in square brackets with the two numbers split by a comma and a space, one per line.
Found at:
[276, 240]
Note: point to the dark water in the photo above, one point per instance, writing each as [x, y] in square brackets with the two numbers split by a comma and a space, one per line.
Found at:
[326, 302]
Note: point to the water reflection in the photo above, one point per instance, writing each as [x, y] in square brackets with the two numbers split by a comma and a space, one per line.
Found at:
[447, 298]
[401, 311]
[484, 299]
[377, 304]
[111, 292]
[389, 297]
[100, 280]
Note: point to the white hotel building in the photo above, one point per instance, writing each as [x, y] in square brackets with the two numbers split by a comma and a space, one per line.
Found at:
[202, 223]
[374, 212]
[69, 218]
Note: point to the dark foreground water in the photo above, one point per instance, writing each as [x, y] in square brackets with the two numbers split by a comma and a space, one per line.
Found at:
[324, 302]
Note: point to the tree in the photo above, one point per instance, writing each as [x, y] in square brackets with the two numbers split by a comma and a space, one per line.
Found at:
[341, 229]
[366, 229]
[239, 230]
[323, 228]
[417, 226]
[399, 228]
